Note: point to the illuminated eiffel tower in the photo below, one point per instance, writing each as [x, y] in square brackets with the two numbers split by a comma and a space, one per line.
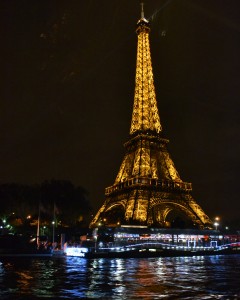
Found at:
[148, 189]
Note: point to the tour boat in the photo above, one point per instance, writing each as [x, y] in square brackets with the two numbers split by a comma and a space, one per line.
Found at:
[125, 242]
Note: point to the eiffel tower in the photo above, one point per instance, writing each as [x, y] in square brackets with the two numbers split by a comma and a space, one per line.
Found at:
[148, 189]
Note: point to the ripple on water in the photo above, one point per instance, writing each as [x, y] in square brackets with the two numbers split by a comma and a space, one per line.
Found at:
[154, 278]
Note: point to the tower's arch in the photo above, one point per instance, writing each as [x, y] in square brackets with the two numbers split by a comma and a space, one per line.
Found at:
[174, 214]
[113, 214]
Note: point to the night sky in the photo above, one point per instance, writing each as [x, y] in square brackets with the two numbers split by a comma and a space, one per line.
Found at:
[67, 89]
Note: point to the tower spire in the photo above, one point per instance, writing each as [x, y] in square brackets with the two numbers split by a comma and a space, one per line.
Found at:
[142, 11]
[145, 116]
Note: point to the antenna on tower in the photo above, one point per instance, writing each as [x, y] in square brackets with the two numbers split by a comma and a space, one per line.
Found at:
[142, 11]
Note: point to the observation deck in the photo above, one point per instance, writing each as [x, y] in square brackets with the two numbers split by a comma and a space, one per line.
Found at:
[145, 182]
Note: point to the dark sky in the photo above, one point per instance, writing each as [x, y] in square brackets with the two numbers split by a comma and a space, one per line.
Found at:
[67, 88]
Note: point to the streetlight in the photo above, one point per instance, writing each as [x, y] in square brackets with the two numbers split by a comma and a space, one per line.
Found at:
[216, 224]
[43, 230]
[3, 225]
[53, 223]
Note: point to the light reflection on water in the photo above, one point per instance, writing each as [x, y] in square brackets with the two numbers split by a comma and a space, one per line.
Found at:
[212, 277]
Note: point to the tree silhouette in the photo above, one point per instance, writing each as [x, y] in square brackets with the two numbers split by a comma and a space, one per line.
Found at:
[69, 204]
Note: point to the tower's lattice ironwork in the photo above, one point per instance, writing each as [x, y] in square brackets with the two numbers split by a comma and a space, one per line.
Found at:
[147, 187]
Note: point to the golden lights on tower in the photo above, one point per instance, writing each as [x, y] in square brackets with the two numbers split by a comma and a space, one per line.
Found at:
[145, 115]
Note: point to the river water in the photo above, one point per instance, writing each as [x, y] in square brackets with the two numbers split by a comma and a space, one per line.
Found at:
[209, 277]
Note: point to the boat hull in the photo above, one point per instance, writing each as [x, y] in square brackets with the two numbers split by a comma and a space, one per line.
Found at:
[158, 253]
